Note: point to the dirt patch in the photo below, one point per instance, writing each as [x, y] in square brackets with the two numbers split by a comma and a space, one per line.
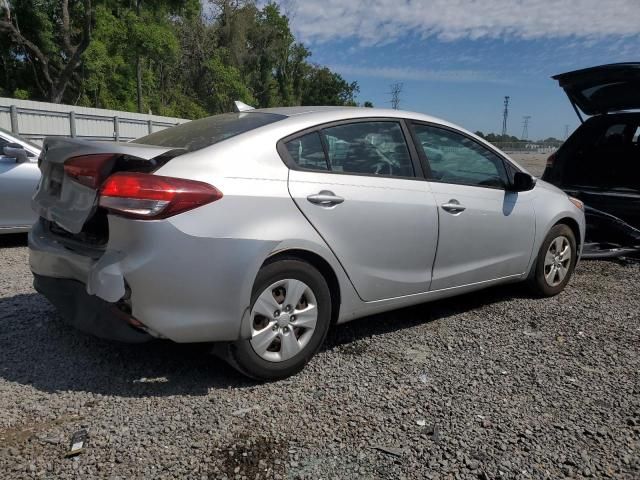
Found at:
[252, 456]
[354, 349]
[14, 436]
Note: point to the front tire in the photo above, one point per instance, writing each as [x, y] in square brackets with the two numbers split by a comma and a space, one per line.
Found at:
[556, 262]
[290, 316]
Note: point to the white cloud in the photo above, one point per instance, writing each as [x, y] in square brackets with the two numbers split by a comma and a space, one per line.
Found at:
[403, 73]
[375, 22]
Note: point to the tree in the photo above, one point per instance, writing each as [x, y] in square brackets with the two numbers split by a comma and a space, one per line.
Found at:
[324, 87]
[161, 56]
[51, 36]
[367, 104]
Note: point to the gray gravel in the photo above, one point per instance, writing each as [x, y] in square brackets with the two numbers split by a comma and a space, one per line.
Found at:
[490, 385]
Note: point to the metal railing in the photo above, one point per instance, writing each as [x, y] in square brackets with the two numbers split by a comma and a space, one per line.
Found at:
[71, 118]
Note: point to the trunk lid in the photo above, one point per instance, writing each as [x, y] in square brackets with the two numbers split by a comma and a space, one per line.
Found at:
[603, 89]
[68, 203]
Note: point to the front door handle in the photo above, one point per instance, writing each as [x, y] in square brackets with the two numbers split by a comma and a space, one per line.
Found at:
[453, 206]
[325, 198]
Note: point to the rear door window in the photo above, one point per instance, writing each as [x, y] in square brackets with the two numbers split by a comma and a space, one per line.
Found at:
[363, 148]
[371, 148]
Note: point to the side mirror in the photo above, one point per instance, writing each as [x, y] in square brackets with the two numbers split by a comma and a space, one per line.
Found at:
[522, 182]
[17, 151]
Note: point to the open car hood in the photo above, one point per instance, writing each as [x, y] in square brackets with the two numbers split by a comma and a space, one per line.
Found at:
[603, 89]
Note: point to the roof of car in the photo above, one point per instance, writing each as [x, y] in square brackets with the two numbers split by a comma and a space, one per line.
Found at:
[348, 111]
[334, 113]
[308, 116]
[322, 112]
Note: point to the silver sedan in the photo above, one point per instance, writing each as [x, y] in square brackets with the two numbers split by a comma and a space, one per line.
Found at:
[19, 176]
[258, 230]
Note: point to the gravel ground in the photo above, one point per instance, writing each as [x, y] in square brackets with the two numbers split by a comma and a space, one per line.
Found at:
[489, 385]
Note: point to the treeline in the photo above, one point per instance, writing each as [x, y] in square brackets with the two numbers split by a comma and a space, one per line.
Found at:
[169, 57]
[497, 138]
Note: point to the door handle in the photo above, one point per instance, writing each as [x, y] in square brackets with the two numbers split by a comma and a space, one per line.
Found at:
[453, 206]
[325, 198]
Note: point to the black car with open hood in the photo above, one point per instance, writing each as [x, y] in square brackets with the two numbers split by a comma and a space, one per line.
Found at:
[600, 162]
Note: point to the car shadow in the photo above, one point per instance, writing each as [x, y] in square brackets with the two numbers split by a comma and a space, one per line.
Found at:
[420, 314]
[37, 349]
[13, 240]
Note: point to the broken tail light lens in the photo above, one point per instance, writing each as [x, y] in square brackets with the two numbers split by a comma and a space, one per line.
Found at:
[147, 196]
[89, 170]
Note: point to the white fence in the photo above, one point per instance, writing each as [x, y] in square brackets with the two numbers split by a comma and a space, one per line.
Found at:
[36, 120]
[526, 147]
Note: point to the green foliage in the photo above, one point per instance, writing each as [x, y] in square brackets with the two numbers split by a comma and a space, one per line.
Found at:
[224, 85]
[321, 86]
[20, 94]
[183, 64]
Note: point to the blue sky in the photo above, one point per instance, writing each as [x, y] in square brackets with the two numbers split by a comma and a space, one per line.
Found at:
[457, 59]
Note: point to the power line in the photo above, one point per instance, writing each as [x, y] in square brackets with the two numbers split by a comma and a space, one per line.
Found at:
[396, 90]
[505, 114]
[525, 127]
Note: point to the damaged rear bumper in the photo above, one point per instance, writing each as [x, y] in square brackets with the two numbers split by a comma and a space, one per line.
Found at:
[177, 286]
[88, 313]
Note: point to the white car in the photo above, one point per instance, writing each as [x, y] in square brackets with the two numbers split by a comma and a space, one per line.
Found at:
[19, 176]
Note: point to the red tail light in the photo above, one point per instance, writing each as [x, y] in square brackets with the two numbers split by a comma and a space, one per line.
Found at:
[89, 170]
[551, 159]
[146, 196]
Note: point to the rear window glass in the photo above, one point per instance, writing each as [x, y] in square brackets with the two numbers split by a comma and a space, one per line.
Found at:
[307, 152]
[202, 133]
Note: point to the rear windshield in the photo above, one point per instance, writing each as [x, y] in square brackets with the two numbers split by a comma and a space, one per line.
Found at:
[202, 133]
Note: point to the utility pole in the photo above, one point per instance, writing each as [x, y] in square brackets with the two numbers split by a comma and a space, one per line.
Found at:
[396, 90]
[505, 114]
[566, 132]
[525, 127]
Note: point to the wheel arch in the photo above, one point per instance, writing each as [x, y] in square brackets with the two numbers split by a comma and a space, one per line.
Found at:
[575, 228]
[321, 265]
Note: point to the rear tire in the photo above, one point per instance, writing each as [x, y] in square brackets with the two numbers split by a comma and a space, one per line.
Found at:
[555, 263]
[290, 318]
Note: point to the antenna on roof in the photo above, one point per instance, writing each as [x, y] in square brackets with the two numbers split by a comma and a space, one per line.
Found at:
[238, 106]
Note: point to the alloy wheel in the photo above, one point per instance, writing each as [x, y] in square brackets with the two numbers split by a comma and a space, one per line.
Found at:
[557, 261]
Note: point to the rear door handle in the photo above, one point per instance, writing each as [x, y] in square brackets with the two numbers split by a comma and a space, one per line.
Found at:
[453, 206]
[325, 198]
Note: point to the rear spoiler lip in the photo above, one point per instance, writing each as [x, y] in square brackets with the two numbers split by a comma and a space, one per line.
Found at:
[64, 148]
